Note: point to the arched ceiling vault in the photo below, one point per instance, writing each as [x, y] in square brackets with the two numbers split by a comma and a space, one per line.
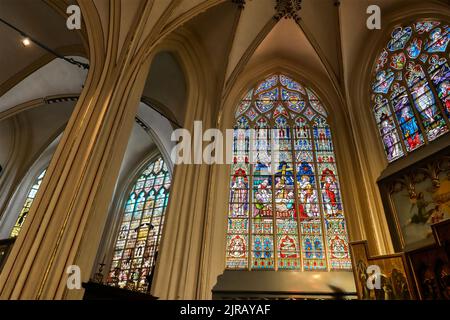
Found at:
[236, 39]
[327, 39]
[312, 42]
[44, 21]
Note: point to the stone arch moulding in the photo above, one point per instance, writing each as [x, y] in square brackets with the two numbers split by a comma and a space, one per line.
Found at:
[151, 40]
[192, 60]
[17, 200]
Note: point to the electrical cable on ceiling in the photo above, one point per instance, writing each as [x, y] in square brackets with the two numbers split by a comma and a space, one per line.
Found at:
[43, 46]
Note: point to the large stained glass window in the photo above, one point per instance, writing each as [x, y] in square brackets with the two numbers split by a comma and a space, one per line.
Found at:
[285, 207]
[27, 205]
[141, 228]
[410, 92]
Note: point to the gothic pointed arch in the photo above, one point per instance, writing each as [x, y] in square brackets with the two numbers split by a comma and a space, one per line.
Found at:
[285, 206]
[143, 217]
[27, 204]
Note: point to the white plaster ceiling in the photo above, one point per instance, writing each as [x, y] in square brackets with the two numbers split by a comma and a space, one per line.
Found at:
[55, 78]
[287, 40]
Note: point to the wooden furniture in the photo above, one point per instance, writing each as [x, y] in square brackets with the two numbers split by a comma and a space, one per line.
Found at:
[392, 280]
[430, 265]
[421, 273]
[5, 248]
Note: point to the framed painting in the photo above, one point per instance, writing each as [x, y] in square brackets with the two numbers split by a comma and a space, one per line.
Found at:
[415, 198]
[394, 282]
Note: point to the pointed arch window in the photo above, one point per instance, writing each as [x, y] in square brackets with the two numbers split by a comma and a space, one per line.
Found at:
[289, 217]
[411, 87]
[27, 205]
[141, 228]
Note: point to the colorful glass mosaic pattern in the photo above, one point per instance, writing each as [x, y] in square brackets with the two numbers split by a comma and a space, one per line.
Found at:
[287, 216]
[411, 90]
[141, 228]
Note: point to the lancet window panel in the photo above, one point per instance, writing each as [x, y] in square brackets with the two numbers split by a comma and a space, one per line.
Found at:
[141, 228]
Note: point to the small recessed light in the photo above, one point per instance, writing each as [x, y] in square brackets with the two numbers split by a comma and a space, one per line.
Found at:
[26, 42]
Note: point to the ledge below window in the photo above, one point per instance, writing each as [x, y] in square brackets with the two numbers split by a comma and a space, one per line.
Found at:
[97, 291]
[285, 285]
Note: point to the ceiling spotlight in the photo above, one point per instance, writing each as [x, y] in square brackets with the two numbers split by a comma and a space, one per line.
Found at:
[26, 42]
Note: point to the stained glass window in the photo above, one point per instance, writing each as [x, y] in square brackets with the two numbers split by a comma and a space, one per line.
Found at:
[285, 207]
[411, 90]
[141, 228]
[27, 205]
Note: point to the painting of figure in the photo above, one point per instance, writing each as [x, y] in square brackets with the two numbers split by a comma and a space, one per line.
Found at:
[420, 206]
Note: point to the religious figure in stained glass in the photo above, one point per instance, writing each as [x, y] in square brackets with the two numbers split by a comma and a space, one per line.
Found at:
[285, 205]
[263, 198]
[330, 191]
[411, 93]
[284, 194]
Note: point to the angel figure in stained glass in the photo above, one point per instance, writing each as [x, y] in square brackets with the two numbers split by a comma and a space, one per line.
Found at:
[414, 48]
[398, 61]
[438, 40]
[442, 74]
[237, 247]
[415, 73]
[384, 81]
[288, 248]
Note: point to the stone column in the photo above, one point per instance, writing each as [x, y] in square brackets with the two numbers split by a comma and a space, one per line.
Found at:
[66, 220]
[178, 272]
